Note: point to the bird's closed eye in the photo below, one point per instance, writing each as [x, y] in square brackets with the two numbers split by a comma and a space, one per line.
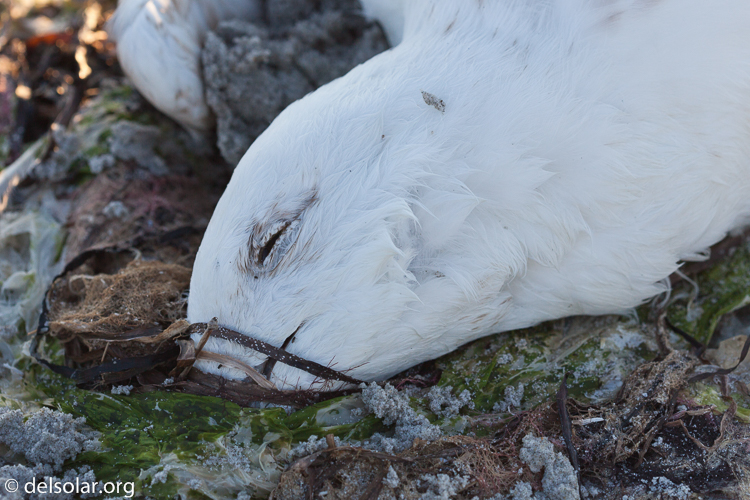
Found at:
[265, 250]
[271, 238]
[267, 246]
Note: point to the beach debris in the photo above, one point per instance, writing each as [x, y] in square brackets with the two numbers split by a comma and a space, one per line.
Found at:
[252, 71]
[30, 245]
[394, 407]
[45, 437]
[39, 444]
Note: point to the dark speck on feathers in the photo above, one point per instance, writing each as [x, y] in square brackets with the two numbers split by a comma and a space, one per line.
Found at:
[433, 101]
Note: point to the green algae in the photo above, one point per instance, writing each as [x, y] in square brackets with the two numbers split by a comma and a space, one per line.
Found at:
[709, 395]
[588, 349]
[722, 289]
[139, 431]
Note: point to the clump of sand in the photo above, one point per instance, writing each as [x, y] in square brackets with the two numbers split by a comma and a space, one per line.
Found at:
[46, 439]
[252, 71]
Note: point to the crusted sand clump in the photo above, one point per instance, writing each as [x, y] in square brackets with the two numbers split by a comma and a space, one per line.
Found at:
[560, 481]
[521, 491]
[391, 479]
[393, 407]
[444, 404]
[665, 487]
[121, 389]
[254, 70]
[443, 486]
[46, 437]
[24, 475]
[513, 398]
[312, 445]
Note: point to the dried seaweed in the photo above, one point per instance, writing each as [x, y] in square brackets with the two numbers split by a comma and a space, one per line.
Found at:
[640, 438]
[128, 325]
[567, 426]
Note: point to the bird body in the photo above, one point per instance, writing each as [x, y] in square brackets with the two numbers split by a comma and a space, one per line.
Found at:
[159, 44]
[507, 163]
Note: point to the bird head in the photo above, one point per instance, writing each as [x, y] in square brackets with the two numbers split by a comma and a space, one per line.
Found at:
[310, 245]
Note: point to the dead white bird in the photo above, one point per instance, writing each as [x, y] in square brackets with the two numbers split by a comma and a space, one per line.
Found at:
[508, 162]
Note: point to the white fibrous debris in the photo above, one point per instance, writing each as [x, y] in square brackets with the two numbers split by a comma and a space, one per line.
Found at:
[24, 475]
[122, 389]
[161, 476]
[312, 445]
[46, 437]
[115, 210]
[560, 481]
[665, 487]
[513, 398]
[99, 164]
[392, 407]
[522, 344]
[521, 491]
[391, 479]
[504, 359]
[444, 404]
[133, 141]
[443, 486]
[239, 454]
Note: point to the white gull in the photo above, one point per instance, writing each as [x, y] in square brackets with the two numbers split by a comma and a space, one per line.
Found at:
[508, 162]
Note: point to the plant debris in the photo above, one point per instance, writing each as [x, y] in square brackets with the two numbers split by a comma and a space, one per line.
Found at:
[649, 440]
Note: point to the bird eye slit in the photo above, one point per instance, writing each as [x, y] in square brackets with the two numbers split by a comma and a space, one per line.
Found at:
[266, 249]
